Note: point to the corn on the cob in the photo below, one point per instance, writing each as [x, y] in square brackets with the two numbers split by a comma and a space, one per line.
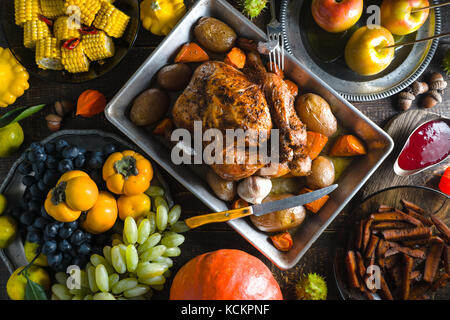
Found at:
[48, 54]
[75, 60]
[52, 8]
[63, 31]
[33, 31]
[26, 10]
[98, 46]
[86, 8]
[111, 20]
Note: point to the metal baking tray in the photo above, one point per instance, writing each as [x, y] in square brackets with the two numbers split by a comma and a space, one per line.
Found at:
[378, 142]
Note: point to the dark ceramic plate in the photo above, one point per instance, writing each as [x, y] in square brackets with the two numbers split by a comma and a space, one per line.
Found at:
[14, 37]
[432, 201]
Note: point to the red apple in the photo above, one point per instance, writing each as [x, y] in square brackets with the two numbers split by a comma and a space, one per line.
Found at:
[336, 16]
[365, 53]
[396, 15]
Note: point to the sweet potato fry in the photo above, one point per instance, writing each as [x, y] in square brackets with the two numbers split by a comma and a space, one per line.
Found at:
[445, 259]
[406, 277]
[442, 227]
[407, 234]
[385, 292]
[384, 225]
[395, 216]
[191, 52]
[371, 246]
[366, 234]
[315, 142]
[415, 243]
[415, 253]
[382, 247]
[433, 258]
[409, 205]
[350, 263]
[359, 235]
[418, 292]
[361, 271]
[415, 275]
[391, 261]
[439, 282]
[385, 208]
[347, 146]
[425, 220]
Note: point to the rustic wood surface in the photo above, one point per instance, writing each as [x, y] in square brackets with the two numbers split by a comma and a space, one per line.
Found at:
[320, 256]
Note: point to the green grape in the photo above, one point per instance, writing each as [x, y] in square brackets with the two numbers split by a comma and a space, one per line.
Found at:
[103, 296]
[151, 216]
[131, 258]
[113, 279]
[97, 259]
[61, 292]
[172, 240]
[160, 201]
[117, 260]
[91, 279]
[101, 278]
[174, 214]
[82, 291]
[88, 297]
[123, 285]
[53, 297]
[150, 270]
[139, 290]
[138, 220]
[154, 191]
[84, 279]
[153, 253]
[107, 253]
[130, 231]
[172, 252]
[157, 287]
[153, 281]
[180, 227]
[152, 241]
[143, 231]
[61, 277]
[77, 297]
[166, 260]
[161, 218]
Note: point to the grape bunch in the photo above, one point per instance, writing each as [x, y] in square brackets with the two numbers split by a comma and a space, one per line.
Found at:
[136, 263]
[63, 243]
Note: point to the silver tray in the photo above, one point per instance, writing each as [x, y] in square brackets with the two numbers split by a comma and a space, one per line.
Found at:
[192, 177]
[410, 62]
[12, 187]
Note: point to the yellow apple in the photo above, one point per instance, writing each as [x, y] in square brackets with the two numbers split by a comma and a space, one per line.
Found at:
[397, 17]
[336, 15]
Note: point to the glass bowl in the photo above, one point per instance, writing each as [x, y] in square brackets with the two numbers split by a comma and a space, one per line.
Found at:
[432, 201]
[14, 38]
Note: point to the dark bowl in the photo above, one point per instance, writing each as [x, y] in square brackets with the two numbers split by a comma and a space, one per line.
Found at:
[14, 37]
[432, 201]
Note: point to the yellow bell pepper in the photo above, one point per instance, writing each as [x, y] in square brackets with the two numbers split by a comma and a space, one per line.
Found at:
[127, 173]
[160, 16]
[75, 192]
[14, 78]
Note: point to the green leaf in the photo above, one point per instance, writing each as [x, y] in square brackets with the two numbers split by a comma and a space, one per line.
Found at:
[18, 114]
[34, 291]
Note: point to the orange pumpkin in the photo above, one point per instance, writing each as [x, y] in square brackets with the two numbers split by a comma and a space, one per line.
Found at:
[225, 275]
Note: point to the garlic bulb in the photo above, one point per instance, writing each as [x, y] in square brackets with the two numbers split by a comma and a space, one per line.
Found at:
[254, 189]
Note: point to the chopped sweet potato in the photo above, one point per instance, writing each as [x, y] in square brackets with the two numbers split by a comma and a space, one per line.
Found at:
[348, 146]
[315, 143]
[239, 203]
[293, 88]
[273, 67]
[191, 52]
[236, 58]
[316, 205]
[164, 127]
[282, 241]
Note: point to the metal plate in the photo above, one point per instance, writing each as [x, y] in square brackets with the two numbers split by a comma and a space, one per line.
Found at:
[193, 177]
[12, 187]
[409, 62]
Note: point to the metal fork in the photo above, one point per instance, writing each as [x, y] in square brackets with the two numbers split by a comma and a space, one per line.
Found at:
[275, 32]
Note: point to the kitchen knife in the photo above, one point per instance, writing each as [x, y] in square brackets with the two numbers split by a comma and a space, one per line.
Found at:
[259, 209]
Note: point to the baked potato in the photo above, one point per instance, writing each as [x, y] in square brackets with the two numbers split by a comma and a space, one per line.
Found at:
[316, 114]
[223, 189]
[149, 107]
[174, 77]
[322, 173]
[215, 35]
[279, 220]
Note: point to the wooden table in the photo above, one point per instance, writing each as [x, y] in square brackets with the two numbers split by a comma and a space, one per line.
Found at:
[319, 257]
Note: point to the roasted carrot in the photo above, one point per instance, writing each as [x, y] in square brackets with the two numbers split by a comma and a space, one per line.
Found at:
[191, 52]
[316, 205]
[406, 277]
[350, 263]
[164, 127]
[315, 142]
[407, 234]
[236, 58]
[433, 259]
[273, 67]
[282, 241]
[293, 88]
[347, 146]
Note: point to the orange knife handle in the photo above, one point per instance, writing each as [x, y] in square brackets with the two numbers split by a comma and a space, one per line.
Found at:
[223, 216]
